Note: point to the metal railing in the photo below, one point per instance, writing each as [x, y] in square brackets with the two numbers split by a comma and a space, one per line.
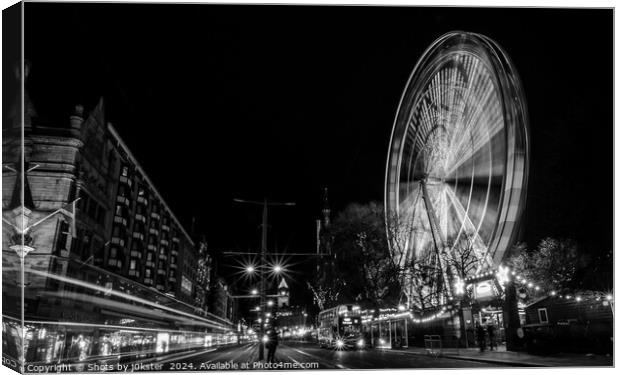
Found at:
[432, 344]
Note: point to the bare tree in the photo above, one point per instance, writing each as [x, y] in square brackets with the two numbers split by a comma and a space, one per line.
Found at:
[464, 259]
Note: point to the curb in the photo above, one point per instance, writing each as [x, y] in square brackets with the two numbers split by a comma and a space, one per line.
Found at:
[497, 361]
[478, 359]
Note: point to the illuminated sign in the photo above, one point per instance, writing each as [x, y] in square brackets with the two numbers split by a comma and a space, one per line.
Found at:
[186, 285]
[484, 290]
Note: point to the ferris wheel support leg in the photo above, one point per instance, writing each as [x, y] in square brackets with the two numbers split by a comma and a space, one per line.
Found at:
[512, 324]
[440, 244]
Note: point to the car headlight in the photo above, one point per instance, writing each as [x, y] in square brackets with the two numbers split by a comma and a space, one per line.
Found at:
[360, 343]
[339, 343]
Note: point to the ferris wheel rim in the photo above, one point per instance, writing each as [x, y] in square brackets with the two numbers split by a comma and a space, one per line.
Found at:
[514, 110]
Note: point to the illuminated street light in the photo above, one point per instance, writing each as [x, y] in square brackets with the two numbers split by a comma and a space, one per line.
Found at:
[250, 269]
[254, 292]
[277, 269]
[270, 303]
[459, 286]
[401, 307]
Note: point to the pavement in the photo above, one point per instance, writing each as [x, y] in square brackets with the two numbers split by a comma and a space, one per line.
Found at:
[501, 356]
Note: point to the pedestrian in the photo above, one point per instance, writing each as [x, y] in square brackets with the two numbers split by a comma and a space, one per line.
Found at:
[272, 344]
[491, 332]
[480, 336]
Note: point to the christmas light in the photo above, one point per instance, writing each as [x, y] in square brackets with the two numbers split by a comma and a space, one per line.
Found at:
[502, 274]
[459, 287]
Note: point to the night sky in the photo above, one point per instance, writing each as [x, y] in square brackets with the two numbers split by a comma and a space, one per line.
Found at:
[220, 102]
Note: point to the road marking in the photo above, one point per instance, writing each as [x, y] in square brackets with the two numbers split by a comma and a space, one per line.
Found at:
[293, 359]
[302, 352]
[313, 356]
[187, 355]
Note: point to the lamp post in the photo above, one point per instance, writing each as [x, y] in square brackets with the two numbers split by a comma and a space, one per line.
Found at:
[263, 262]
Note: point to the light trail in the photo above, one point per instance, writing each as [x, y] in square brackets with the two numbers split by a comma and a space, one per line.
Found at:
[104, 290]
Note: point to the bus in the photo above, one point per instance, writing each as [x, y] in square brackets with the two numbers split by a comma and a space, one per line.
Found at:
[341, 328]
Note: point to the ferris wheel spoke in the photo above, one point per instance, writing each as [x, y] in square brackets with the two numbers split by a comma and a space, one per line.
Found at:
[469, 224]
[481, 208]
[473, 146]
[487, 161]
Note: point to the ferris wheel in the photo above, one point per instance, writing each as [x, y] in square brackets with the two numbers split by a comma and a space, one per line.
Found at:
[458, 159]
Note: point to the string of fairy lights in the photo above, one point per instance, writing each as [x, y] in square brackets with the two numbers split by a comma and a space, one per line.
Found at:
[503, 275]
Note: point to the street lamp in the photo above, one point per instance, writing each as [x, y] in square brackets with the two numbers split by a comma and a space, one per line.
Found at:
[250, 269]
[254, 292]
[270, 303]
[277, 268]
[263, 254]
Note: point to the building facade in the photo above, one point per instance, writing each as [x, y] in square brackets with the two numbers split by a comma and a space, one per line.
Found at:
[103, 209]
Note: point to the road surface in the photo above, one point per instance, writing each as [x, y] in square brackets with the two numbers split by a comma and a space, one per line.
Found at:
[295, 356]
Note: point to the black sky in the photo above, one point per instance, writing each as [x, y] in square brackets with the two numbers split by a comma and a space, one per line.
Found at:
[221, 101]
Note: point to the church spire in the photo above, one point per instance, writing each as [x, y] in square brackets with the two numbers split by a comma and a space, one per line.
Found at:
[326, 210]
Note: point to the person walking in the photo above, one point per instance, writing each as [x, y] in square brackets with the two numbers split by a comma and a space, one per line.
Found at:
[272, 344]
[480, 336]
[491, 333]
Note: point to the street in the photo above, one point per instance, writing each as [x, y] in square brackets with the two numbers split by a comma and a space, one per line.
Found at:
[299, 355]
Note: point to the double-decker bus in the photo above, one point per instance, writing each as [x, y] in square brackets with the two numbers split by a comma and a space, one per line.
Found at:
[341, 328]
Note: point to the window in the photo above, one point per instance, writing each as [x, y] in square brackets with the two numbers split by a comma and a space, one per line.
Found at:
[147, 273]
[62, 235]
[542, 315]
[124, 191]
[136, 246]
[149, 256]
[125, 171]
[132, 264]
[82, 204]
[118, 231]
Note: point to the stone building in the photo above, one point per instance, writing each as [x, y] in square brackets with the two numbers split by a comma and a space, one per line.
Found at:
[101, 207]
